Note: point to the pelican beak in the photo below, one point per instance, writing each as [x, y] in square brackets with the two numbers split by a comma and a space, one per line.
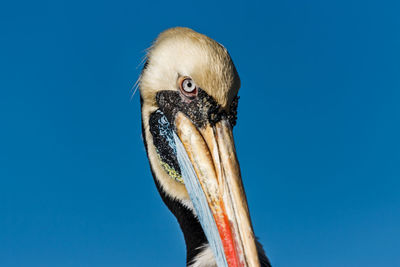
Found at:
[216, 190]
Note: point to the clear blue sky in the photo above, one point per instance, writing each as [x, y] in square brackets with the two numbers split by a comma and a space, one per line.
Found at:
[317, 135]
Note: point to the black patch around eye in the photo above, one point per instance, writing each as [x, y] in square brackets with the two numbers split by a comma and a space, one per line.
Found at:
[201, 110]
[163, 140]
[232, 116]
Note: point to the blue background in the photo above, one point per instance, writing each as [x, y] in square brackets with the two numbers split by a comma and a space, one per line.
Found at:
[317, 135]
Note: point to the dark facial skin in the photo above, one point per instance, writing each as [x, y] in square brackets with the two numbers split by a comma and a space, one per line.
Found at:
[201, 109]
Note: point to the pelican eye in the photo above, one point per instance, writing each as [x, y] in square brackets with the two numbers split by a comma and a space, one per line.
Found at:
[188, 87]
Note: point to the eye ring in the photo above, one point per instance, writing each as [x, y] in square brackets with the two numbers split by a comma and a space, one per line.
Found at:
[188, 87]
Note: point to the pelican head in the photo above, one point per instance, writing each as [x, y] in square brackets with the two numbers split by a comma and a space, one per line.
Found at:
[188, 90]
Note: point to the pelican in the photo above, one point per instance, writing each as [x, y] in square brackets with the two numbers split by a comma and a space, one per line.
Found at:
[188, 91]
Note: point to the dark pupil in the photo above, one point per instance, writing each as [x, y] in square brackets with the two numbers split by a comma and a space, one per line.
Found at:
[189, 84]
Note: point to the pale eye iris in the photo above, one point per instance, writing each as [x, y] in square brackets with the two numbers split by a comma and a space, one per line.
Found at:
[188, 85]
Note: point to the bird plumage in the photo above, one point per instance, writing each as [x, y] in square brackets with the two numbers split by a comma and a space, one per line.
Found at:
[180, 54]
